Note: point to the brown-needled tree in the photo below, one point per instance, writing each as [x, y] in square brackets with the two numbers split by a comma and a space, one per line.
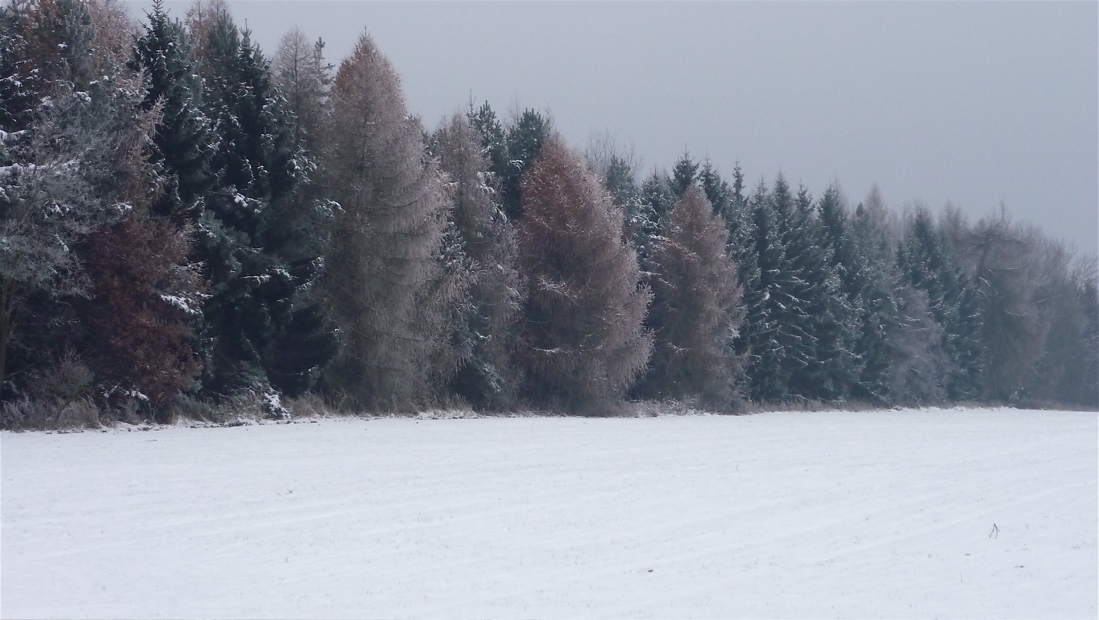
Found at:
[696, 309]
[585, 340]
[383, 256]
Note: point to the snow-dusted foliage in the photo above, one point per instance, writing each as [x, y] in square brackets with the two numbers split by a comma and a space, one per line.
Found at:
[83, 266]
[483, 249]
[585, 342]
[386, 241]
[696, 311]
[184, 220]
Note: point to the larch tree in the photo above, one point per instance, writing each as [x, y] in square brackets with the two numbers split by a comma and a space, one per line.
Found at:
[696, 311]
[386, 240]
[305, 79]
[585, 342]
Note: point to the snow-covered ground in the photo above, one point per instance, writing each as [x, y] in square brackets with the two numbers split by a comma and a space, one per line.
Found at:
[901, 514]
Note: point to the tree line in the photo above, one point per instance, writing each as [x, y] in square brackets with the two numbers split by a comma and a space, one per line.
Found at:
[184, 220]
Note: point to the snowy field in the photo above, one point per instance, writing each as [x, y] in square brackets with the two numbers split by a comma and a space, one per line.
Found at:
[899, 514]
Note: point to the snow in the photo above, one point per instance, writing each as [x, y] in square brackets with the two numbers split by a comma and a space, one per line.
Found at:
[183, 303]
[901, 514]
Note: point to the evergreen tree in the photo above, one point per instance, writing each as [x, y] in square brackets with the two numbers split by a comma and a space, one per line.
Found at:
[621, 183]
[760, 338]
[584, 339]
[696, 309]
[926, 263]
[493, 142]
[387, 239]
[829, 324]
[258, 237]
[524, 142]
[862, 257]
[85, 268]
[867, 296]
[717, 191]
[488, 312]
[648, 219]
[742, 245]
[684, 174]
[185, 141]
[799, 327]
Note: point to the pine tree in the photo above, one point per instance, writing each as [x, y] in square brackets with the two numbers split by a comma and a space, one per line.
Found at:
[387, 237]
[696, 309]
[584, 339]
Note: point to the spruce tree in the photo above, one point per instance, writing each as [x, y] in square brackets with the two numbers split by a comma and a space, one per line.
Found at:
[832, 367]
[717, 191]
[524, 142]
[684, 174]
[647, 221]
[185, 141]
[860, 256]
[488, 310]
[260, 235]
[760, 340]
[927, 263]
[493, 142]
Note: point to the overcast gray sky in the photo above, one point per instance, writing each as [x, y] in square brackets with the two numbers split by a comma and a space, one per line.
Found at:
[971, 103]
